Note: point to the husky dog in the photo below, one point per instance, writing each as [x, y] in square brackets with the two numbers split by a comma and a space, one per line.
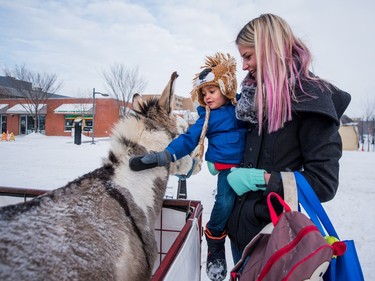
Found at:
[101, 225]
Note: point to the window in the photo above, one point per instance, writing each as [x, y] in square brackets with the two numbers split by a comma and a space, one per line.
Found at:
[69, 122]
[3, 119]
[88, 127]
[42, 124]
[27, 124]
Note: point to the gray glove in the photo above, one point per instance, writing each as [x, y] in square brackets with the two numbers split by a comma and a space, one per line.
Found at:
[151, 160]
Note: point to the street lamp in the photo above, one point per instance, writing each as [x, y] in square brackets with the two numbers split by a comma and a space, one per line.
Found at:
[93, 111]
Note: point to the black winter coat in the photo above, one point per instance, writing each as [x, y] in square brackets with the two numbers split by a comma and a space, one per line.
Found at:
[309, 143]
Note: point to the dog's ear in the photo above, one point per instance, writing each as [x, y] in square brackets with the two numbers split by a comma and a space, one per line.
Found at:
[137, 103]
[167, 97]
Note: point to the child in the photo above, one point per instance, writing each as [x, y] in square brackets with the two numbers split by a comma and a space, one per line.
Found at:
[215, 89]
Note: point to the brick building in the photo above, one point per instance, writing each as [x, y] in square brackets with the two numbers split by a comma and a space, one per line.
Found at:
[57, 115]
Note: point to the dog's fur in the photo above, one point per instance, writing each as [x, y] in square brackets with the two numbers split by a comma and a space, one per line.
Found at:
[101, 225]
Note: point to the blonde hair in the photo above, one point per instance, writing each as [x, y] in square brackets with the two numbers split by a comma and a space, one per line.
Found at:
[282, 61]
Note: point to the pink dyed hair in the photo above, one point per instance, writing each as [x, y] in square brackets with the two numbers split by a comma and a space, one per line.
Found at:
[282, 61]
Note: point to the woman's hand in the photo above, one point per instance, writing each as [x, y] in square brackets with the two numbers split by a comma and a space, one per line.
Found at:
[243, 180]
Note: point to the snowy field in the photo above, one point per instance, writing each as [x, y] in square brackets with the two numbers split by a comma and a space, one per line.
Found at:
[41, 162]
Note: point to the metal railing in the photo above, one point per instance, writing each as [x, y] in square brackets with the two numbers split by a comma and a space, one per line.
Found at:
[21, 192]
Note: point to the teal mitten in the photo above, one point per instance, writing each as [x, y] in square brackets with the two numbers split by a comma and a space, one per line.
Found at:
[243, 180]
[212, 169]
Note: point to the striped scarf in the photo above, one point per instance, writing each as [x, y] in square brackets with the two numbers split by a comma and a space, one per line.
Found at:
[246, 109]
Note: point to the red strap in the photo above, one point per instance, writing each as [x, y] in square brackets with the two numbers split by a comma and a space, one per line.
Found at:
[274, 216]
[234, 276]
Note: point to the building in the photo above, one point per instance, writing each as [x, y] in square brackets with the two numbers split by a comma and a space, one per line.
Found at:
[58, 114]
[349, 134]
[181, 106]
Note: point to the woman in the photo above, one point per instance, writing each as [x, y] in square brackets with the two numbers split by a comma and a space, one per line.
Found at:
[294, 119]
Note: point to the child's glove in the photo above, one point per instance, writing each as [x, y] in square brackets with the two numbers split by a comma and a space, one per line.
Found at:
[211, 168]
[243, 180]
[151, 160]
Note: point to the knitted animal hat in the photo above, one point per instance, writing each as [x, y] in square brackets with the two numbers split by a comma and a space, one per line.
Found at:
[219, 70]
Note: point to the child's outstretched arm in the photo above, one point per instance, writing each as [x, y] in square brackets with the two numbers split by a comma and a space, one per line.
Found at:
[150, 160]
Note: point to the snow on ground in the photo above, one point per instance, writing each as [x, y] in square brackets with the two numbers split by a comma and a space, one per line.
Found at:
[41, 162]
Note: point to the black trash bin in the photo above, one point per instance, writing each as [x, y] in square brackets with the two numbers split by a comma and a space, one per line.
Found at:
[77, 132]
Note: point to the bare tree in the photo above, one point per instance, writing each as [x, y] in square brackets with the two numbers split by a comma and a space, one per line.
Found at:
[84, 106]
[369, 114]
[83, 98]
[124, 83]
[32, 88]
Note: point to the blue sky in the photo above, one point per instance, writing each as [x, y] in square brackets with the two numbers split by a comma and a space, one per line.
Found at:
[78, 40]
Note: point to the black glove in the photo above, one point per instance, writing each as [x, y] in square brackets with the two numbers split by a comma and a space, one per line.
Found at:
[151, 160]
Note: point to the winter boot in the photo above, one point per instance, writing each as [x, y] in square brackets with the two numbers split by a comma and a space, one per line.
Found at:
[216, 265]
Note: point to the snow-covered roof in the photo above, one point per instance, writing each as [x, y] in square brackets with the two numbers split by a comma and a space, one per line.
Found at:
[25, 109]
[3, 107]
[74, 108]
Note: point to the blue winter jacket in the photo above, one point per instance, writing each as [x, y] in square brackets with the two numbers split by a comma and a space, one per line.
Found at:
[225, 133]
